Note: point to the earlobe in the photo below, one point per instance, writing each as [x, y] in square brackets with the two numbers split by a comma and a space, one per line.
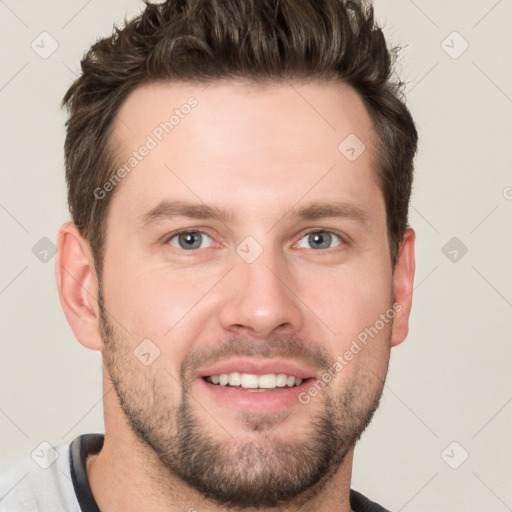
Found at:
[77, 285]
[403, 282]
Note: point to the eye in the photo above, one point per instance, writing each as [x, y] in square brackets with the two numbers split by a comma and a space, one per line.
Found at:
[188, 240]
[321, 239]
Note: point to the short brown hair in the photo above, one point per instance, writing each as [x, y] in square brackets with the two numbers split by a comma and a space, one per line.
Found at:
[257, 40]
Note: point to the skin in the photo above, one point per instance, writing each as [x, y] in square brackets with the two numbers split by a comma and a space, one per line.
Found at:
[259, 152]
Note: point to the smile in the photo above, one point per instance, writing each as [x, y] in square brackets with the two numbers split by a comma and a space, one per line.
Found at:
[253, 382]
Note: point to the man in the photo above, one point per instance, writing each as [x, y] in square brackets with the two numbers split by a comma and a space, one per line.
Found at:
[239, 176]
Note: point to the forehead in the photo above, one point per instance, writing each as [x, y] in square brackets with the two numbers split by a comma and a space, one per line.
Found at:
[254, 148]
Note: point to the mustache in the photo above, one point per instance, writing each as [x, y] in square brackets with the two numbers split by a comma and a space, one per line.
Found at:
[286, 347]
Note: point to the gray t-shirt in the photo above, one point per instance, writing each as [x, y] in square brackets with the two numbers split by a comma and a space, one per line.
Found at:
[39, 482]
[55, 480]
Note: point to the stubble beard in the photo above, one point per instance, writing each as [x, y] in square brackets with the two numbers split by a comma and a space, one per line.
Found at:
[237, 473]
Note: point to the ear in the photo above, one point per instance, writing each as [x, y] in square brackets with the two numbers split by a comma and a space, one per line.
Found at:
[78, 286]
[403, 281]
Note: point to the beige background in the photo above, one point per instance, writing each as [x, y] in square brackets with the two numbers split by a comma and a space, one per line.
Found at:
[451, 381]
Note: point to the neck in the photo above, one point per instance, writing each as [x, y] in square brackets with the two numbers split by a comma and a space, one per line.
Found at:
[127, 476]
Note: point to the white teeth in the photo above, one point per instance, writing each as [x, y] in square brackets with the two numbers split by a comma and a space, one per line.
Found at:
[281, 379]
[234, 379]
[252, 381]
[268, 381]
[249, 381]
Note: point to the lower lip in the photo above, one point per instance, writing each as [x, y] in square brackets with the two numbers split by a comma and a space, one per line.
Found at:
[255, 401]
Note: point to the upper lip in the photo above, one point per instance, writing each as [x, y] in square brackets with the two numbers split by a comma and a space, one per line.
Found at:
[258, 367]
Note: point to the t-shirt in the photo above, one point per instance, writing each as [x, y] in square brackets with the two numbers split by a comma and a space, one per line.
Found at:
[55, 480]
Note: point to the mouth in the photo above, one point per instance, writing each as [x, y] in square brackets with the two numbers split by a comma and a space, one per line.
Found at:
[255, 383]
[255, 386]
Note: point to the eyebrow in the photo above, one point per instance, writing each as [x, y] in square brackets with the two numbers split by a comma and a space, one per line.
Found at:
[167, 210]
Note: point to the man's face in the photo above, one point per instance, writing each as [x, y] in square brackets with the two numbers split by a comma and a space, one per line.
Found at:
[254, 293]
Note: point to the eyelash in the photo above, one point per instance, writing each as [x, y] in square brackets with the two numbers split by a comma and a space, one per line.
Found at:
[167, 239]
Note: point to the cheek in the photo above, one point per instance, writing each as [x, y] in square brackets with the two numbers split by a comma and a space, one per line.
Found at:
[347, 300]
[356, 305]
[159, 304]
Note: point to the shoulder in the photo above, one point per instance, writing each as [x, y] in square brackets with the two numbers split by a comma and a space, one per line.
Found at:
[39, 481]
[360, 503]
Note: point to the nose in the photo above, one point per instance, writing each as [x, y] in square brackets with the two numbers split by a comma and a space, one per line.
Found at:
[259, 298]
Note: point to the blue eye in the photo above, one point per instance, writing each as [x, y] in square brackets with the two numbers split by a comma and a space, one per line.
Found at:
[188, 240]
[321, 239]
[191, 240]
